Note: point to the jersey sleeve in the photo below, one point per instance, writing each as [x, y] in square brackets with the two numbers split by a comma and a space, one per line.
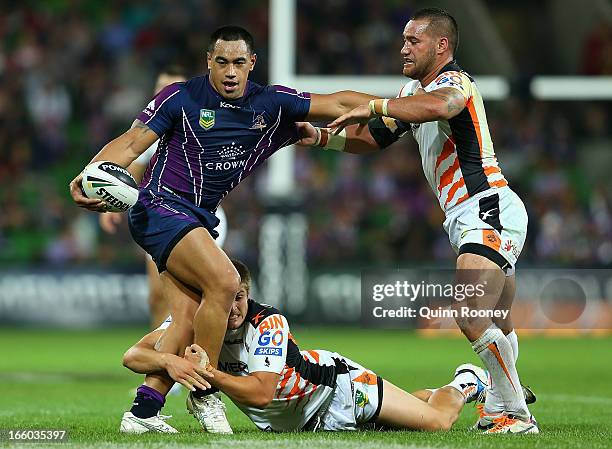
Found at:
[163, 110]
[454, 80]
[295, 105]
[268, 349]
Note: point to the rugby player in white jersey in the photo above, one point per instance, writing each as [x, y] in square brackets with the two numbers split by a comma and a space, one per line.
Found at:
[281, 388]
[485, 220]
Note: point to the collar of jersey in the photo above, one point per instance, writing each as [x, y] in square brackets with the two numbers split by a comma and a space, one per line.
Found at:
[451, 66]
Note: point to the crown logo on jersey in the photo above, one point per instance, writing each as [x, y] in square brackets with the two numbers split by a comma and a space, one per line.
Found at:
[231, 151]
[207, 118]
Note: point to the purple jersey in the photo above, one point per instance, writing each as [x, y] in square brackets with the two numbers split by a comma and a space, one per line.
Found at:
[209, 144]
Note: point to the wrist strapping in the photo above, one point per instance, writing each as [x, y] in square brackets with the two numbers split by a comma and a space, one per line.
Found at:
[330, 141]
[379, 107]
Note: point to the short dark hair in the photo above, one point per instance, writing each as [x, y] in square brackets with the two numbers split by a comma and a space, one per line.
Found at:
[173, 70]
[243, 271]
[232, 33]
[441, 23]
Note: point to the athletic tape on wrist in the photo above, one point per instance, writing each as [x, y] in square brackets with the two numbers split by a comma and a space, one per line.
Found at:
[330, 141]
[379, 107]
[318, 139]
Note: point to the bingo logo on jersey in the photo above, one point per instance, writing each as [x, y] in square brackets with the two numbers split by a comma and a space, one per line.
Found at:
[269, 343]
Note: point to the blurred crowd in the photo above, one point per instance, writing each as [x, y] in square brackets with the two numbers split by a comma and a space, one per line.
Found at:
[75, 73]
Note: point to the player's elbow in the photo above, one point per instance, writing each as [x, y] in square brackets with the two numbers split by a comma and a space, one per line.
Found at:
[440, 423]
[262, 399]
[129, 358]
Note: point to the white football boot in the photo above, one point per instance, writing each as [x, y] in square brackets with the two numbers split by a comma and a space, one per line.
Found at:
[210, 413]
[511, 424]
[486, 421]
[473, 392]
[133, 424]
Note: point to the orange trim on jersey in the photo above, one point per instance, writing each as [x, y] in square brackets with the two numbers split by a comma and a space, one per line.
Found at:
[492, 169]
[462, 199]
[366, 378]
[314, 355]
[499, 183]
[257, 318]
[296, 387]
[283, 382]
[451, 193]
[448, 175]
[302, 393]
[491, 239]
[447, 150]
[474, 116]
[493, 348]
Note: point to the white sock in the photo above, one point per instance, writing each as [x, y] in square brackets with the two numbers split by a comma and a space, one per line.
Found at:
[466, 384]
[495, 403]
[496, 353]
[513, 339]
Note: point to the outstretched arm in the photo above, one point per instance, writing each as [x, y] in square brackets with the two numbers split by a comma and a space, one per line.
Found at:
[441, 104]
[358, 139]
[331, 106]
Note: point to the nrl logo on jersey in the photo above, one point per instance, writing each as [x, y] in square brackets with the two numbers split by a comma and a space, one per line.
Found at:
[259, 122]
[207, 118]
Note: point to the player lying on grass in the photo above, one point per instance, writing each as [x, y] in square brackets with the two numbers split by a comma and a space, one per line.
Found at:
[281, 388]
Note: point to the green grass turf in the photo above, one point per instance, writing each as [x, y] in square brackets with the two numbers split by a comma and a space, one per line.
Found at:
[74, 380]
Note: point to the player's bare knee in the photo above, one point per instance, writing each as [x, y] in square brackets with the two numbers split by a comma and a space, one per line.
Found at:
[225, 287]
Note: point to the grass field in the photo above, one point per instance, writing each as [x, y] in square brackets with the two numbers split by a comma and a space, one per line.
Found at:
[74, 380]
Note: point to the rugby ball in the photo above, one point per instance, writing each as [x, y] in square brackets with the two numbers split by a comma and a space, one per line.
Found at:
[112, 183]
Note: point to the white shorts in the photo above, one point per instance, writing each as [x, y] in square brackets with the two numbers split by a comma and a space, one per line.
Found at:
[492, 224]
[356, 399]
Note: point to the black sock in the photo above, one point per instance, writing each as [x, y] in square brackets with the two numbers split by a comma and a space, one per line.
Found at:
[201, 393]
[148, 402]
